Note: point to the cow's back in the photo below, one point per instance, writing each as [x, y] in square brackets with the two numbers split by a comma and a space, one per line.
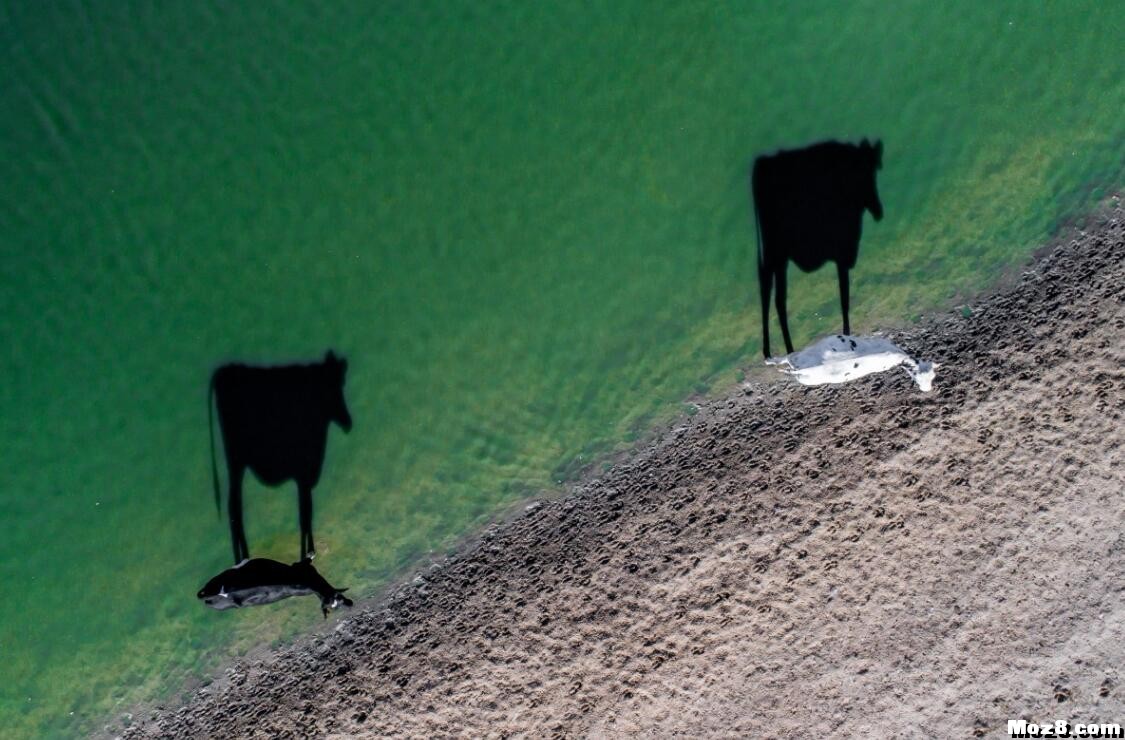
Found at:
[272, 420]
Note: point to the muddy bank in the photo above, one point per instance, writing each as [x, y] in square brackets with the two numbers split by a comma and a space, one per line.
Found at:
[859, 559]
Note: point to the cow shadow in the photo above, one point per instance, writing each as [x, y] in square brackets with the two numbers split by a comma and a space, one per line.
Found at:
[274, 422]
[808, 208]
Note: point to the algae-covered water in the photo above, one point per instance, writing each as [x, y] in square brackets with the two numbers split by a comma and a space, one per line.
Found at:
[525, 224]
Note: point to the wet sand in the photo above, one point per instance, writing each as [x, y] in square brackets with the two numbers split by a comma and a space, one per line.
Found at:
[846, 560]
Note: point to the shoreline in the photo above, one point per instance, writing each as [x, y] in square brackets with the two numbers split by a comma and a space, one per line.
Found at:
[788, 559]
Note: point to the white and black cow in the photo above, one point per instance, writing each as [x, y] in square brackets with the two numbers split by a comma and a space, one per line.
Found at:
[808, 207]
[275, 422]
[840, 359]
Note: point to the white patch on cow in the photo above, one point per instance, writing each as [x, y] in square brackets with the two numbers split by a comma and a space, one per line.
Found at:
[840, 358]
[220, 601]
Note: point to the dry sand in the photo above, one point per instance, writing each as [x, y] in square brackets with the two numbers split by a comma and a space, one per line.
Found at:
[859, 560]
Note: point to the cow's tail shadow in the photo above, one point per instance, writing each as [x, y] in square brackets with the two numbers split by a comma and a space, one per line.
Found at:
[211, 433]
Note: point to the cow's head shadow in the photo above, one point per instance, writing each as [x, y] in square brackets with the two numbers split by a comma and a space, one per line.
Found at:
[337, 370]
[808, 206]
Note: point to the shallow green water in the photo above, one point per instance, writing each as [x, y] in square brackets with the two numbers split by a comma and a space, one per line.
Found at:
[526, 225]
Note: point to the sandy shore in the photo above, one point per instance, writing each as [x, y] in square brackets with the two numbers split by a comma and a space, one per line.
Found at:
[860, 560]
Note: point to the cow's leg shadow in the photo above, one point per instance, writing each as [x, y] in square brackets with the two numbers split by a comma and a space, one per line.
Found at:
[765, 278]
[842, 272]
[305, 507]
[234, 510]
[782, 314]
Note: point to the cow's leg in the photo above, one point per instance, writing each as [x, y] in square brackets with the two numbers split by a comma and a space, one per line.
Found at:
[304, 504]
[234, 509]
[843, 273]
[782, 315]
[765, 276]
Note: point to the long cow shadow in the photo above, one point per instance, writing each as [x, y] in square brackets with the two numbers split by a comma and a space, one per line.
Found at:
[808, 206]
[274, 422]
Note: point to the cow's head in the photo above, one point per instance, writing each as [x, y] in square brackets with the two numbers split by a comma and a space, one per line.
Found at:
[870, 162]
[330, 596]
[336, 370]
[923, 373]
[215, 595]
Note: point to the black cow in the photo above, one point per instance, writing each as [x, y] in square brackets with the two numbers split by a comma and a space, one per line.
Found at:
[262, 581]
[808, 207]
[275, 422]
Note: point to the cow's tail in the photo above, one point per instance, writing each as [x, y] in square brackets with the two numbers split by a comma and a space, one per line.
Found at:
[211, 432]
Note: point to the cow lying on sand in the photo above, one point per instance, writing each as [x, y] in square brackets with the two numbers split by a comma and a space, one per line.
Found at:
[262, 581]
[275, 421]
[808, 207]
[839, 359]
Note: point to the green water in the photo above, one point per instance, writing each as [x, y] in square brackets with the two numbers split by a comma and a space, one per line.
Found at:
[525, 224]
